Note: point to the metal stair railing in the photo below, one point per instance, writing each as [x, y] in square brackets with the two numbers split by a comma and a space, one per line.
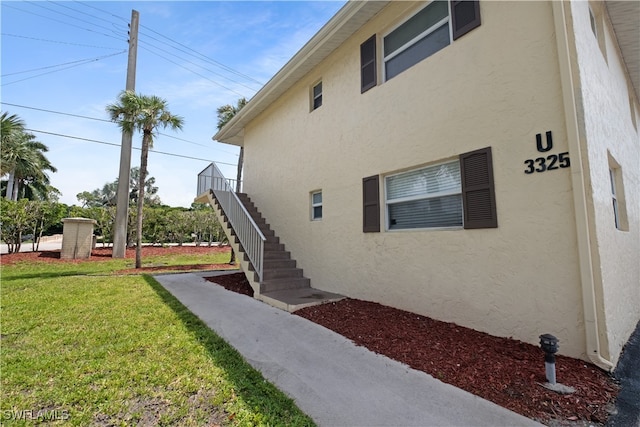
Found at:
[250, 236]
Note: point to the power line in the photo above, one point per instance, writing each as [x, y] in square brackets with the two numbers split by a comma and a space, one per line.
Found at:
[5, 4]
[201, 56]
[190, 142]
[55, 112]
[108, 121]
[65, 68]
[194, 72]
[58, 65]
[197, 54]
[68, 16]
[197, 65]
[118, 145]
[100, 10]
[58, 41]
[79, 11]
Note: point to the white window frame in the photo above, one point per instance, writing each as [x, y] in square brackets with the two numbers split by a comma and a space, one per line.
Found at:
[593, 22]
[314, 96]
[428, 196]
[618, 202]
[315, 205]
[416, 39]
[614, 198]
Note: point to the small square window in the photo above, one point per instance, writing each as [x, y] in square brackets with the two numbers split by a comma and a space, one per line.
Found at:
[618, 203]
[592, 19]
[316, 205]
[614, 197]
[598, 27]
[316, 94]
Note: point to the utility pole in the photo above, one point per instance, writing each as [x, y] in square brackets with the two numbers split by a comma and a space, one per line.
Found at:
[122, 207]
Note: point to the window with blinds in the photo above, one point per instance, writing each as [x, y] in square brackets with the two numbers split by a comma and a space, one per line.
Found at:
[429, 197]
[431, 29]
[419, 37]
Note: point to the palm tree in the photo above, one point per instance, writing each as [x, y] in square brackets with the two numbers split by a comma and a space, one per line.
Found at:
[225, 114]
[11, 128]
[24, 160]
[145, 114]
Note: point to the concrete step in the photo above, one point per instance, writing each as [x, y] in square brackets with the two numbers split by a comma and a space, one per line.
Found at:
[269, 246]
[277, 255]
[280, 273]
[295, 299]
[285, 283]
[278, 263]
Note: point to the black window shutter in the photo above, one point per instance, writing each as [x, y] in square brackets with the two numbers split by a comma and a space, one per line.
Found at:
[478, 193]
[465, 16]
[368, 73]
[370, 204]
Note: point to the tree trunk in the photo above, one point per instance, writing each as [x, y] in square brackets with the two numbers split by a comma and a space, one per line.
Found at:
[239, 174]
[232, 260]
[15, 186]
[141, 178]
[10, 182]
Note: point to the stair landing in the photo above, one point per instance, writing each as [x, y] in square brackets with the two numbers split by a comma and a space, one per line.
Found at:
[295, 299]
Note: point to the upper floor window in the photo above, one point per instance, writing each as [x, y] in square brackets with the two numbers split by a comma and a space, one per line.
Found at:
[614, 197]
[618, 202]
[316, 205]
[592, 20]
[596, 22]
[316, 96]
[423, 34]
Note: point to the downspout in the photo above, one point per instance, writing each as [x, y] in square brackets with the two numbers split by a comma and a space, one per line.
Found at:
[579, 191]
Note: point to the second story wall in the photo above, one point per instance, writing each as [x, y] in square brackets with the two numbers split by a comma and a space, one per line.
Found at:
[497, 86]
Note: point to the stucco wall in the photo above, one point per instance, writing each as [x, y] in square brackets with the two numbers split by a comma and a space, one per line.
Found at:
[610, 133]
[497, 86]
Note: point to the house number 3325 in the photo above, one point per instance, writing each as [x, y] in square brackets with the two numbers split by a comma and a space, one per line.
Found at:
[549, 162]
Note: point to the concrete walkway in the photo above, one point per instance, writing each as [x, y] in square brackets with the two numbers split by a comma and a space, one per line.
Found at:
[331, 379]
[50, 244]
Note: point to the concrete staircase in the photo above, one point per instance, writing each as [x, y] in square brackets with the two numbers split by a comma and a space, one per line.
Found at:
[279, 270]
[283, 284]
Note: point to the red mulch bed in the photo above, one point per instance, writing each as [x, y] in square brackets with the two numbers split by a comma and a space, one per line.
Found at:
[236, 282]
[104, 254]
[505, 371]
[502, 370]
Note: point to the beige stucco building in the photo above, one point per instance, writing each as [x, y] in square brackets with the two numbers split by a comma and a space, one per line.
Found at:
[474, 162]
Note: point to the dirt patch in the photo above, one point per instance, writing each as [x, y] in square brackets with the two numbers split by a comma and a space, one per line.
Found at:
[150, 412]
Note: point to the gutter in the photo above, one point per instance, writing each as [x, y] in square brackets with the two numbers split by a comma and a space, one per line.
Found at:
[585, 257]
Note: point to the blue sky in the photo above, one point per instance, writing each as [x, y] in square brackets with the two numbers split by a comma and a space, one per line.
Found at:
[196, 55]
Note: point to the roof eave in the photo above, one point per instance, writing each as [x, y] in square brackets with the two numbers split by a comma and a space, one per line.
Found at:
[349, 19]
[625, 18]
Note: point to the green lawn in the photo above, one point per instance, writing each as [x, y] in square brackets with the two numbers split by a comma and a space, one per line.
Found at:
[87, 347]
